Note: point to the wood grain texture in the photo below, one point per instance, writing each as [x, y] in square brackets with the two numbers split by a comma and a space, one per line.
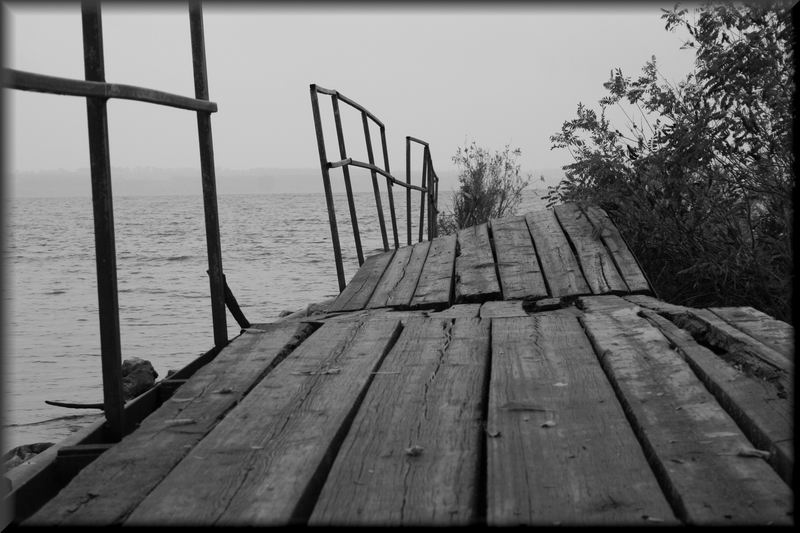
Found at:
[755, 404]
[692, 444]
[435, 283]
[624, 259]
[717, 332]
[560, 450]
[261, 463]
[596, 263]
[502, 308]
[396, 286]
[774, 333]
[519, 271]
[559, 265]
[458, 311]
[357, 293]
[476, 278]
[655, 304]
[413, 454]
[109, 488]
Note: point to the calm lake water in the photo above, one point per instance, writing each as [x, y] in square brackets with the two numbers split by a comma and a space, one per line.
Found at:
[276, 253]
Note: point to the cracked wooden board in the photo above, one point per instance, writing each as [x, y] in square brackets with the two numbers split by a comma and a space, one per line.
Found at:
[435, 283]
[519, 272]
[396, 286]
[560, 450]
[261, 463]
[596, 263]
[358, 292]
[757, 406]
[476, 278]
[110, 487]
[624, 259]
[697, 450]
[774, 333]
[560, 268]
[412, 455]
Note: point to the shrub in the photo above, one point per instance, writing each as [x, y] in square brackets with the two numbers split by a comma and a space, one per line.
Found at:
[700, 181]
[489, 186]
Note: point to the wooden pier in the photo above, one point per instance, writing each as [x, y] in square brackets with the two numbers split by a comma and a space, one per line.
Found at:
[519, 372]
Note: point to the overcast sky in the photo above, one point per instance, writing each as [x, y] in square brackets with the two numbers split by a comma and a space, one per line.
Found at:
[448, 74]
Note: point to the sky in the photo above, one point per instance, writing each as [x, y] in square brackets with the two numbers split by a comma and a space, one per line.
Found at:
[447, 73]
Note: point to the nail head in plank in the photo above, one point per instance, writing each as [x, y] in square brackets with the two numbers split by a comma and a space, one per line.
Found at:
[413, 454]
[764, 417]
[262, 463]
[596, 263]
[476, 278]
[625, 260]
[560, 450]
[110, 487]
[560, 268]
[519, 271]
[691, 442]
[358, 292]
[435, 282]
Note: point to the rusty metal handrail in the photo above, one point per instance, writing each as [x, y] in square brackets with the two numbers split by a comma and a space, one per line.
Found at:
[428, 194]
[97, 92]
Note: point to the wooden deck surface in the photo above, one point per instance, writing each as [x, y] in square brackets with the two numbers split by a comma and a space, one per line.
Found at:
[504, 375]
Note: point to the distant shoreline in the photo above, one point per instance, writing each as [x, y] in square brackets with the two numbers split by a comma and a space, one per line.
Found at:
[180, 182]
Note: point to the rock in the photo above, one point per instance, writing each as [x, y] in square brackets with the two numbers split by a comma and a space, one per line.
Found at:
[20, 454]
[138, 375]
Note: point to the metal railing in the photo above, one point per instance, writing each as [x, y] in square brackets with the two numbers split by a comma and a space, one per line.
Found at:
[97, 92]
[429, 188]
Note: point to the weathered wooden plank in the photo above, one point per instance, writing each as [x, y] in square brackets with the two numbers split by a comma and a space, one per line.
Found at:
[693, 445]
[476, 279]
[519, 271]
[436, 281]
[358, 292]
[398, 282]
[659, 306]
[413, 453]
[596, 263]
[458, 311]
[710, 326]
[718, 333]
[263, 463]
[560, 268]
[560, 450]
[624, 259]
[774, 333]
[109, 488]
[764, 417]
[501, 308]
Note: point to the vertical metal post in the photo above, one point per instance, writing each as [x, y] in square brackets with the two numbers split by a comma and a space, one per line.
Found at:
[423, 199]
[429, 192]
[389, 186]
[326, 183]
[371, 157]
[216, 279]
[102, 203]
[346, 171]
[408, 191]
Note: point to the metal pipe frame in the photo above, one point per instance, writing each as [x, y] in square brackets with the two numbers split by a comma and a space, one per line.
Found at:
[428, 189]
[97, 93]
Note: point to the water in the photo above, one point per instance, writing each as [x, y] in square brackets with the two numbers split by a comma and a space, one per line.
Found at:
[277, 256]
